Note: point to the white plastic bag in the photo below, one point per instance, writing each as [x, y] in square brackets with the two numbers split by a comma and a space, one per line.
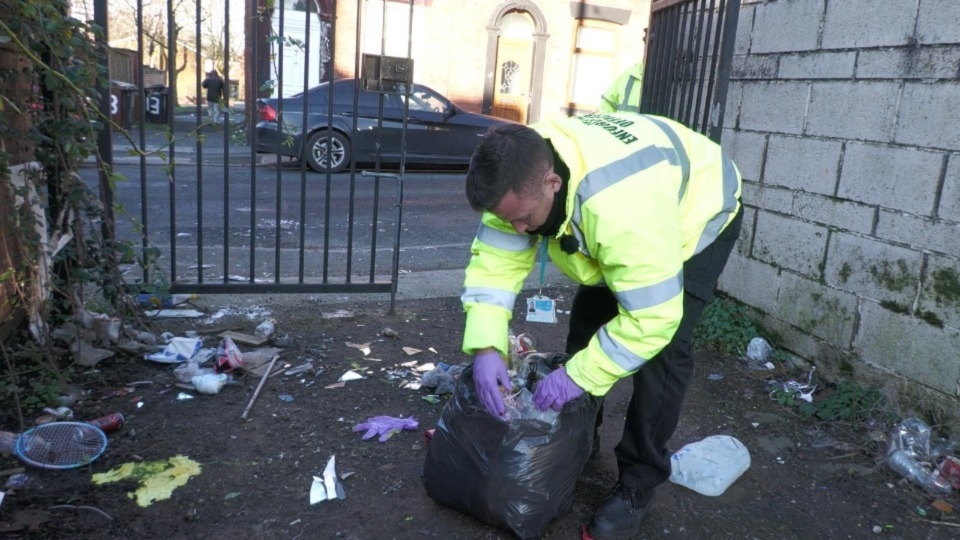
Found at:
[711, 465]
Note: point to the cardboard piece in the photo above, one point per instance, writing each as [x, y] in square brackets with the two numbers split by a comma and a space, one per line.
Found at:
[256, 361]
[245, 339]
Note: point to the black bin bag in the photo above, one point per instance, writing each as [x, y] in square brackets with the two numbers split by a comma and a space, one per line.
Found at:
[518, 473]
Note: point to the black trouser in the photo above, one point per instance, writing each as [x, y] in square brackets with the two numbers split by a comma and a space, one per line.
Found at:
[660, 385]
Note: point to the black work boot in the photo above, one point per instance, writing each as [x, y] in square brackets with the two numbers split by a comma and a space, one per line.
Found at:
[620, 514]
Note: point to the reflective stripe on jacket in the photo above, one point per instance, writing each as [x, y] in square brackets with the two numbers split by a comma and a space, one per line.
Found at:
[624, 93]
[645, 195]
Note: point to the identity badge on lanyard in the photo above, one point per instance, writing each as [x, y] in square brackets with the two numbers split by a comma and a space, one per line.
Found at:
[540, 308]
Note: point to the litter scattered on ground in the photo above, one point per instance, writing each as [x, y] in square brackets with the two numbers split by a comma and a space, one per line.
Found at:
[390, 333]
[60, 413]
[797, 389]
[266, 329]
[187, 371]
[327, 486]
[443, 378]
[350, 375]
[209, 383]
[339, 314]
[303, 368]
[711, 465]
[758, 354]
[174, 313]
[157, 479]
[87, 355]
[160, 301]
[942, 506]
[252, 313]
[411, 351]
[283, 340]
[950, 469]
[7, 440]
[228, 356]
[245, 339]
[17, 478]
[715, 376]
[922, 459]
[362, 347]
[263, 381]
[179, 349]
[255, 361]
[385, 426]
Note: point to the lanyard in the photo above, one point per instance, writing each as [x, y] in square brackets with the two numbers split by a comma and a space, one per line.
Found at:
[544, 242]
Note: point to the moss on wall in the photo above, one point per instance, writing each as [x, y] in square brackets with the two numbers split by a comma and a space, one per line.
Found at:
[893, 276]
[845, 272]
[946, 286]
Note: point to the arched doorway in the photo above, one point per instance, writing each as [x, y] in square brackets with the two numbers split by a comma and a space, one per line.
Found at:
[511, 87]
[515, 47]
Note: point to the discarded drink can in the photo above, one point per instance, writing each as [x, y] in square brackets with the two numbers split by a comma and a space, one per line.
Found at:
[108, 423]
[950, 469]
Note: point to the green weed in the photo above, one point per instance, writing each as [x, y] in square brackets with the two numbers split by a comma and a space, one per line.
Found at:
[847, 401]
[725, 327]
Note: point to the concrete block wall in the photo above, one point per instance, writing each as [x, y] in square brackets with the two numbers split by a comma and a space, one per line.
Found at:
[843, 119]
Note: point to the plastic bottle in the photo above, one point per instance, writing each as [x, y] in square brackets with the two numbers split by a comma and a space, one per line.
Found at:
[266, 328]
[901, 462]
[711, 465]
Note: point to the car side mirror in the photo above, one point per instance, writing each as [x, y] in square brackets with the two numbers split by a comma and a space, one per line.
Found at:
[449, 111]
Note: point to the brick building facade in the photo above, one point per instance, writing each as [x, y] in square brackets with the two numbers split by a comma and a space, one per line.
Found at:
[522, 59]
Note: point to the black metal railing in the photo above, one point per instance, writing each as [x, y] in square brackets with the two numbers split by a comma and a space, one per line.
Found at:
[688, 57]
[189, 227]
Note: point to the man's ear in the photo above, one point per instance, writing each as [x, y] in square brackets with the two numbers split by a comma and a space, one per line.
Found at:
[553, 181]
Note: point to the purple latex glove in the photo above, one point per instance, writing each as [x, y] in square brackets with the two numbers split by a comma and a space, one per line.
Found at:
[385, 426]
[489, 371]
[555, 390]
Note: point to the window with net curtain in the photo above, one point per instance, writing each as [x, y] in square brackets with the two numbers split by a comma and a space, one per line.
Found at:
[592, 63]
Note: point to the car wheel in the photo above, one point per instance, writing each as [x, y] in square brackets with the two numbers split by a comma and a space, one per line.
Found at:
[320, 157]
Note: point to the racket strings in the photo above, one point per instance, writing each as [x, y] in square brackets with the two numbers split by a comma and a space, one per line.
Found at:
[61, 445]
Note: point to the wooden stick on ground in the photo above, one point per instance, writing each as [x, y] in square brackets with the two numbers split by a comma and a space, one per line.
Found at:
[263, 380]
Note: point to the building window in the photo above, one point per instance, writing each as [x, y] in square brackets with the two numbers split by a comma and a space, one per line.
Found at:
[593, 61]
[396, 27]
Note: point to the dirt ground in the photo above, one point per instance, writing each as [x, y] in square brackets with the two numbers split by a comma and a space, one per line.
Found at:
[807, 479]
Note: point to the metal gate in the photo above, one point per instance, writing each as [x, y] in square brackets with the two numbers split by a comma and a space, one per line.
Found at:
[689, 54]
[213, 216]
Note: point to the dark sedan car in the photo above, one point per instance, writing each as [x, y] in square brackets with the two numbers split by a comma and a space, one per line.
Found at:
[438, 131]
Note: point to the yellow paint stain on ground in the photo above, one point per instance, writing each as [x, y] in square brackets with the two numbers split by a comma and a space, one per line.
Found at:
[157, 479]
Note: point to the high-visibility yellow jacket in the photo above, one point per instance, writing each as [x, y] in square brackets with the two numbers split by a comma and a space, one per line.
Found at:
[624, 93]
[645, 195]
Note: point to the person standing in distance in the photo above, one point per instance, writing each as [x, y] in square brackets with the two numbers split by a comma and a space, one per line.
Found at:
[214, 85]
[643, 213]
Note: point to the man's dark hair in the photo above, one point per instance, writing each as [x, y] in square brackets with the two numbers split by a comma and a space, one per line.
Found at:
[508, 158]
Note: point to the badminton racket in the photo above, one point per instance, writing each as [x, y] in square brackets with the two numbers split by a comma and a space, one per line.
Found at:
[61, 445]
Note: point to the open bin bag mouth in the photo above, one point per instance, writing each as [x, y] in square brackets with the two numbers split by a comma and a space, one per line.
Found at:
[519, 474]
